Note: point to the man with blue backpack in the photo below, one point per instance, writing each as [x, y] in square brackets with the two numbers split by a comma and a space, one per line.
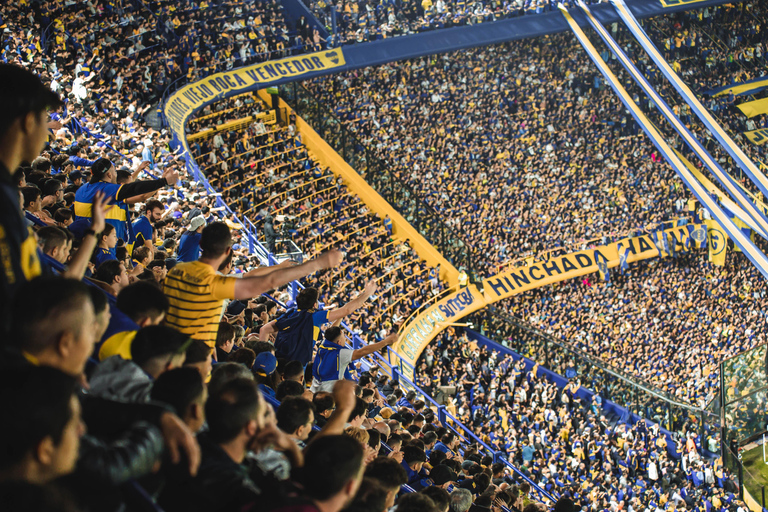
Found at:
[332, 360]
[299, 329]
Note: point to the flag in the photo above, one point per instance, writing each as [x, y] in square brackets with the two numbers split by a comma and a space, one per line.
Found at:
[697, 236]
[660, 240]
[718, 243]
[671, 244]
[744, 228]
[623, 255]
[602, 267]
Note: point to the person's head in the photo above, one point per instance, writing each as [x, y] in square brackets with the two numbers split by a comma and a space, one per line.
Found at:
[108, 237]
[103, 170]
[63, 217]
[287, 388]
[41, 435]
[264, 366]
[370, 497]
[159, 348]
[154, 210]
[390, 474]
[439, 496]
[333, 468]
[225, 372]
[24, 105]
[142, 255]
[359, 413]
[225, 337]
[461, 500]
[295, 417]
[200, 357]
[216, 241]
[54, 189]
[33, 198]
[294, 370]
[183, 390]
[54, 242]
[143, 302]
[113, 274]
[333, 334]
[414, 456]
[235, 413]
[244, 356]
[307, 299]
[324, 404]
[101, 312]
[52, 320]
[416, 502]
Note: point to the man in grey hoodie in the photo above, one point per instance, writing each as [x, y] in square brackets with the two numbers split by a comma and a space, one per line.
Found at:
[155, 350]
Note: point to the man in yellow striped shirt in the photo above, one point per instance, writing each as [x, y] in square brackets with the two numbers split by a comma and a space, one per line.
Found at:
[196, 292]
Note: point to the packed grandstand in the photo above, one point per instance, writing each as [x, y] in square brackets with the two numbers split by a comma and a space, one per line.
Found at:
[223, 317]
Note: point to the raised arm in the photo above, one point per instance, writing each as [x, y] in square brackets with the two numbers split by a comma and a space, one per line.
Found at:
[374, 347]
[78, 264]
[354, 304]
[249, 287]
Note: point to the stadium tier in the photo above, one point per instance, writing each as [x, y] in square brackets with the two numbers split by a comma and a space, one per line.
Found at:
[459, 281]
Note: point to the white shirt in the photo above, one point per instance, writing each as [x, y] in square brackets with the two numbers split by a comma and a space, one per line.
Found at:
[345, 357]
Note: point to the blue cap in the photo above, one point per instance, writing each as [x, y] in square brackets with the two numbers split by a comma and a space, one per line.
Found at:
[265, 364]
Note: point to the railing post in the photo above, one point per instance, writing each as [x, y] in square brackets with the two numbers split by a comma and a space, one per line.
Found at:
[356, 342]
[741, 478]
[396, 372]
[441, 414]
[497, 457]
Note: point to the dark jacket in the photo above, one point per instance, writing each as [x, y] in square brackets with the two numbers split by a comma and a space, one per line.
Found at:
[118, 379]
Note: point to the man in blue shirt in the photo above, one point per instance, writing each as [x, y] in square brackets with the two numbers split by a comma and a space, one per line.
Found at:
[189, 245]
[143, 226]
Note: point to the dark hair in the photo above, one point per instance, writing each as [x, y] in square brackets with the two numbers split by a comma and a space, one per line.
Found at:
[63, 215]
[332, 334]
[359, 410]
[244, 356]
[306, 299]
[215, 239]
[142, 299]
[259, 346]
[293, 413]
[178, 388]
[230, 407]
[225, 333]
[371, 496]
[292, 369]
[22, 92]
[98, 299]
[108, 271]
[288, 388]
[51, 237]
[330, 462]
[413, 454]
[225, 372]
[51, 187]
[99, 169]
[323, 402]
[416, 502]
[481, 481]
[141, 253]
[156, 341]
[41, 306]
[374, 438]
[39, 398]
[436, 457]
[390, 473]
[153, 204]
[438, 495]
[197, 352]
[31, 193]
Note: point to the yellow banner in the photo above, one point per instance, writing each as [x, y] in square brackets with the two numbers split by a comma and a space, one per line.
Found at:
[522, 279]
[192, 96]
[428, 324]
[717, 241]
[754, 108]
[741, 88]
[757, 137]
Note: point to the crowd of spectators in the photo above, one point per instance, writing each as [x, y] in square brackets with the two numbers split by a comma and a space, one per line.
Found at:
[565, 443]
[362, 20]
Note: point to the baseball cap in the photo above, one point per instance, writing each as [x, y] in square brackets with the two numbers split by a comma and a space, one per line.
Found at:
[75, 175]
[235, 308]
[265, 364]
[196, 223]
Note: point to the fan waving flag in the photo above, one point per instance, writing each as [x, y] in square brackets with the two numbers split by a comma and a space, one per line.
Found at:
[623, 255]
[602, 267]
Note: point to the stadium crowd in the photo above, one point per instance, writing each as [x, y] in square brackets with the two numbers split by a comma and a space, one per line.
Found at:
[565, 443]
[111, 383]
